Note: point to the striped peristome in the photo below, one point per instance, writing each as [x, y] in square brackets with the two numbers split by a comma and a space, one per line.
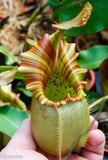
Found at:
[39, 63]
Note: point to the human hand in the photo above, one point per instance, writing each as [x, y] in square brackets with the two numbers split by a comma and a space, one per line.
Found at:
[23, 147]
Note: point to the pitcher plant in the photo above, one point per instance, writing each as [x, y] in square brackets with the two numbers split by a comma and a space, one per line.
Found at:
[59, 108]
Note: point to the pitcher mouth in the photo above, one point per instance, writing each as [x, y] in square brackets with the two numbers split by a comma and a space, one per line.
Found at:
[57, 88]
[54, 78]
[59, 91]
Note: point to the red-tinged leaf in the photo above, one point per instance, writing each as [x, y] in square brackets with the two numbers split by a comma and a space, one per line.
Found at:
[78, 21]
[7, 96]
[3, 103]
[7, 76]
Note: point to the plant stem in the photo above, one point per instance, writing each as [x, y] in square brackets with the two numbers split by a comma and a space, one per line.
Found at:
[34, 14]
[97, 102]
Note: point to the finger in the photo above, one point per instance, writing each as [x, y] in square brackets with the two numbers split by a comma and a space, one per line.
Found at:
[75, 157]
[95, 145]
[93, 123]
[23, 137]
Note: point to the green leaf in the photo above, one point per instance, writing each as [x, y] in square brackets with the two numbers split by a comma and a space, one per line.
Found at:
[91, 97]
[25, 91]
[68, 9]
[19, 76]
[10, 59]
[92, 58]
[6, 68]
[11, 119]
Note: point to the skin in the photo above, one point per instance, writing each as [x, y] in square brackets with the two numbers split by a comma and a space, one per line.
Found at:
[23, 145]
